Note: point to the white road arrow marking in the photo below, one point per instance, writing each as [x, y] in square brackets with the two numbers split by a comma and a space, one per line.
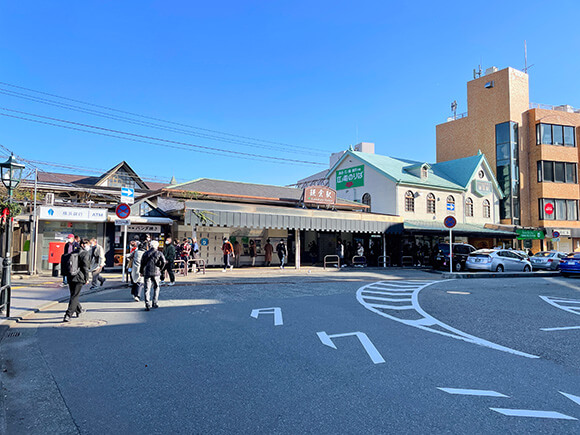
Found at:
[532, 413]
[370, 348]
[562, 328]
[573, 398]
[409, 290]
[467, 392]
[276, 311]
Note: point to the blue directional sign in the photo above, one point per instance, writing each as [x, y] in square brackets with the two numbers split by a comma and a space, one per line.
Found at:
[450, 206]
[127, 195]
[204, 242]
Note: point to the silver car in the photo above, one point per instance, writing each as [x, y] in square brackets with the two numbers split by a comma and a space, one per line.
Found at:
[497, 260]
[548, 260]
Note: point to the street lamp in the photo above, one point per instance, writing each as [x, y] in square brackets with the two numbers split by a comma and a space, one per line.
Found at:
[11, 175]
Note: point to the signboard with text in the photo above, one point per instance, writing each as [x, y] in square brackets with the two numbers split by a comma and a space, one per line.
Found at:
[319, 195]
[529, 234]
[73, 214]
[127, 195]
[142, 228]
[350, 177]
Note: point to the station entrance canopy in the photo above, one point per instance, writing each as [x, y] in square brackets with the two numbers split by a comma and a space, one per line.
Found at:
[236, 215]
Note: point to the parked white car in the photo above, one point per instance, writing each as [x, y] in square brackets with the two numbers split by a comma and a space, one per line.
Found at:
[498, 260]
[548, 260]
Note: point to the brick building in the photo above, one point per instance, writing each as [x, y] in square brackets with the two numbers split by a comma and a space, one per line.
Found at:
[532, 148]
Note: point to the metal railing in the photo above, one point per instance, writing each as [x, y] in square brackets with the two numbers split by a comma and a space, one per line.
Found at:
[386, 260]
[331, 259]
[407, 260]
[359, 260]
[457, 116]
[561, 108]
[5, 298]
[180, 267]
[198, 260]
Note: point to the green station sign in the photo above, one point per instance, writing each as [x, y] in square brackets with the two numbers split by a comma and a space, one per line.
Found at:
[524, 234]
[350, 177]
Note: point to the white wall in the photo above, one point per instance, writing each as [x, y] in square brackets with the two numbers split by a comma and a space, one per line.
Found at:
[381, 189]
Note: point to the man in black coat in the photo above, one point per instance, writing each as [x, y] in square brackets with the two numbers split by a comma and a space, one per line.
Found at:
[76, 282]
[152, 263]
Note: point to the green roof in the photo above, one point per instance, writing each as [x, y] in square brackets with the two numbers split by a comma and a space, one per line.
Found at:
[453, 174]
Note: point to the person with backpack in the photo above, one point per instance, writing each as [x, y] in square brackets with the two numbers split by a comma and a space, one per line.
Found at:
[69, 247]
[152, 263]
[76, 266]
[228, 251]
[97, 263]
[282, 252]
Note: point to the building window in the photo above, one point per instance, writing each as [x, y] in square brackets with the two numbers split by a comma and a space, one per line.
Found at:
[552, 134]
[469, 207]
[486, 209]
[409, 201]
[121, 179]
[507, 169]
[558, 172]
[366, 200]
[424, 172]
[431, 203]
[563, 209]
[450, 203]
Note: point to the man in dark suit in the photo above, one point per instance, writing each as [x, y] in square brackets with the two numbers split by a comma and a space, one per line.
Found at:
[77, 281]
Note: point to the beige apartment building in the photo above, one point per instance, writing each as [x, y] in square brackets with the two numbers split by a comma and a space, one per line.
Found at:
[533, 149]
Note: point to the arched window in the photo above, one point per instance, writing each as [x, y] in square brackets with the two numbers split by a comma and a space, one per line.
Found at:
[486, 209]
[424, 172]
[409, 201]
[366, 200]
[450, 200]
[431, 203]
[469, 207]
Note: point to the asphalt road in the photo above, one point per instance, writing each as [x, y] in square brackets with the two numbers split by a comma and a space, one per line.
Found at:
[202, 364]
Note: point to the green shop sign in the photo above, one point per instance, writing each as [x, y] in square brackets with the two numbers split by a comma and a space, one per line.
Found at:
[351, 177]
[529, 234]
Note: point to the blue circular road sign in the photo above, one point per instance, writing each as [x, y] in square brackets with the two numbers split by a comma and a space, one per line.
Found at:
[450, 221]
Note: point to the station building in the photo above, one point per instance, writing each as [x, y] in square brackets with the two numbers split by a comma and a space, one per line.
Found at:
[532, 150]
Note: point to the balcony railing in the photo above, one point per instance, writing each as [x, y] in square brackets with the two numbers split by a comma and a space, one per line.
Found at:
[562, 108]
[457, 116]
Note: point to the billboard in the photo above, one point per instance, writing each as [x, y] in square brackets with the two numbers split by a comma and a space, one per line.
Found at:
[350, 177]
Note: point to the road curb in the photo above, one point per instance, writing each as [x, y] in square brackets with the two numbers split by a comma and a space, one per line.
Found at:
[476, 275]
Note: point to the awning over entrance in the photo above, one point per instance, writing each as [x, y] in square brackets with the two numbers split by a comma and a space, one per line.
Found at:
[143, 219]
[208, 213]
[432, 227]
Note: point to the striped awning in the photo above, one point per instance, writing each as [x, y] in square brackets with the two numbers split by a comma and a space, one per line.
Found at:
[236, 215]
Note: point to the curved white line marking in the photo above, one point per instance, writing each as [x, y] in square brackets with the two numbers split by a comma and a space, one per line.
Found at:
[426, 321]
[559, 303]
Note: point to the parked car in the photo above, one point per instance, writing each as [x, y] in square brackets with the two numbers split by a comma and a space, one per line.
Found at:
[547, 259]
[570, 264]
[460, 253]
[498, 260]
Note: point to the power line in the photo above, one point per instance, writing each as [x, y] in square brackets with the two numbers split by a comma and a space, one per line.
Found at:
[163, 120]
[166, 142]
[146, 123]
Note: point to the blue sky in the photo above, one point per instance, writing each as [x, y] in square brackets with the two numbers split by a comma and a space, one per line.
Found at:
[316, 75]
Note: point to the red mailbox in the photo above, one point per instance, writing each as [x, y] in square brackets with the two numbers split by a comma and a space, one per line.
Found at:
[55, 251]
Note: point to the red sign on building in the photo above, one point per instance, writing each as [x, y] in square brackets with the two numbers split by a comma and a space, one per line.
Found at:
[549, 208]
[319, 195]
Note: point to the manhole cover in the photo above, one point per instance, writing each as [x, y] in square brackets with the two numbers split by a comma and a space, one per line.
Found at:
[83, 323]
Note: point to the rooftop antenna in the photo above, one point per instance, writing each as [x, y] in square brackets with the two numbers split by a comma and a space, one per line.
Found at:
[526, 67]
[454, 109]
[477, 74]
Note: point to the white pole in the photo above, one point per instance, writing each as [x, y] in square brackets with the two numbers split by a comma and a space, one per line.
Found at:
[450, 251]
[35, 229]
[124, 250]
[297, 247]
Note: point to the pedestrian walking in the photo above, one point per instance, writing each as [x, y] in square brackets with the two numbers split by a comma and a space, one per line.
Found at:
[136, 278]
[76, 266]
[69, 247]
[97, 263]
[237, 253]
[253, 252]
[185, 252]
[195, 254]
[228, 251]
[282, 252]
[152, 263]
[169, 254]
[268, 250]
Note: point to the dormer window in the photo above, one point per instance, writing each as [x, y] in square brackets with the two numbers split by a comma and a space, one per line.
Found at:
[424, 172]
